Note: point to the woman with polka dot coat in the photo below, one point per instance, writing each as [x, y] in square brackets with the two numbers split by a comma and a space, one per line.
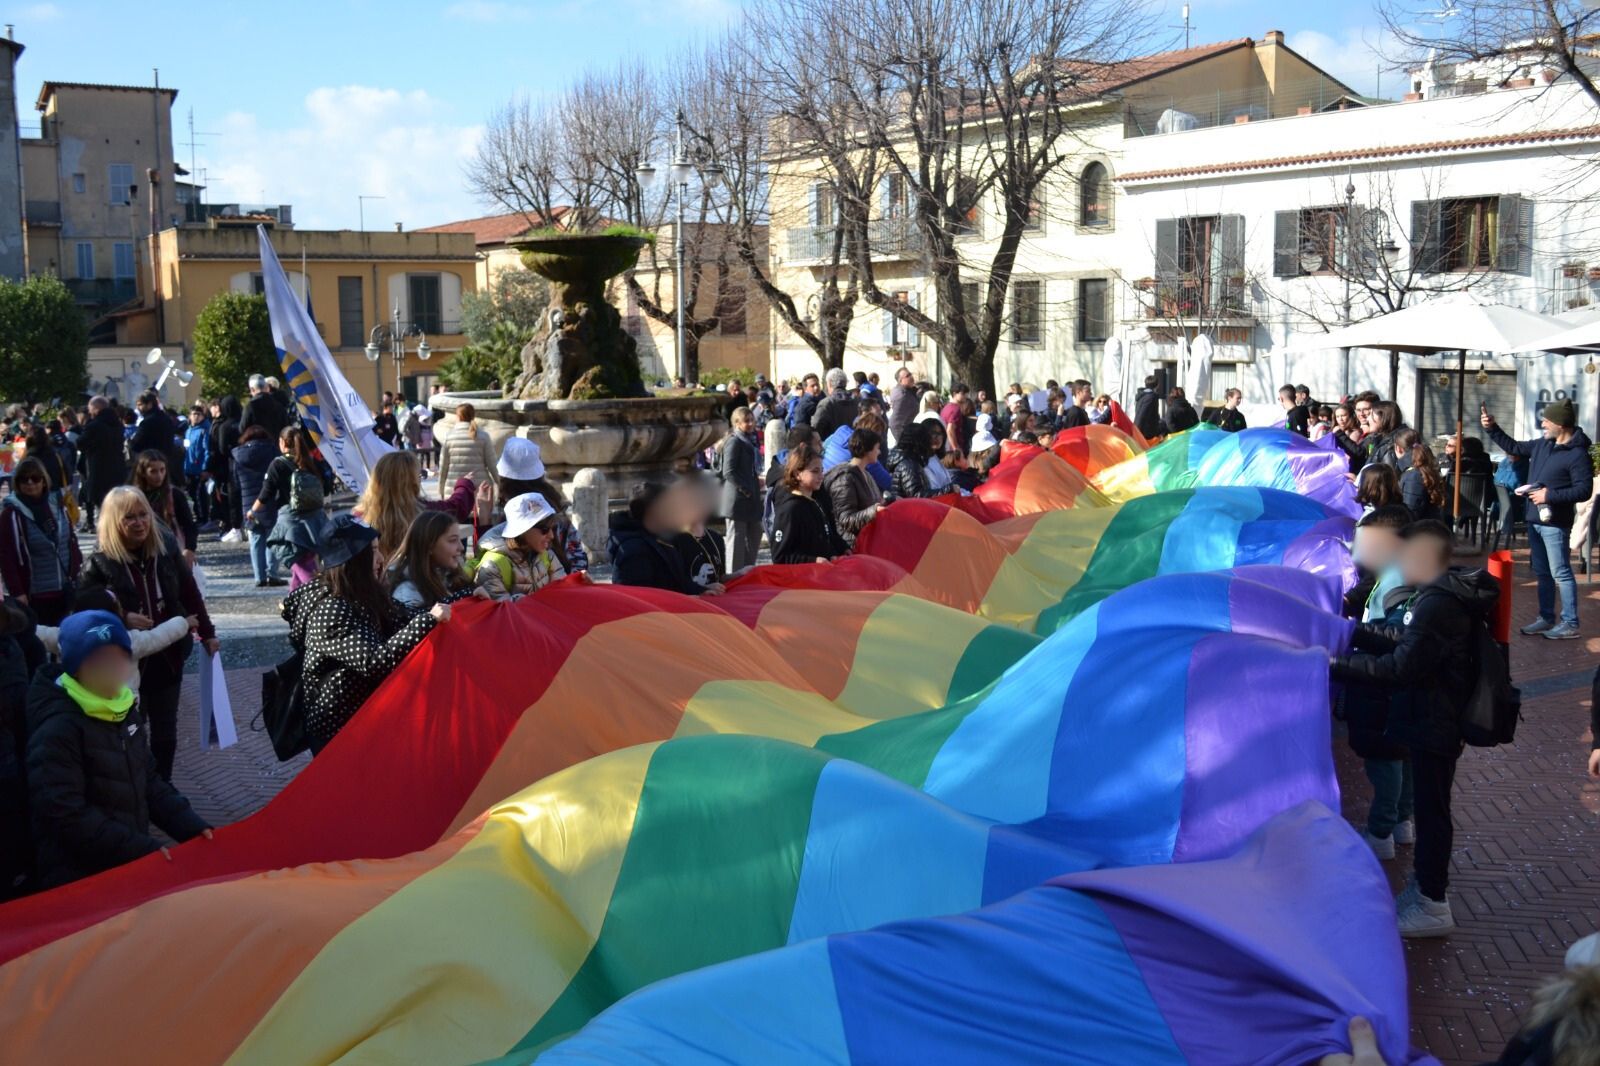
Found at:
[349, 630]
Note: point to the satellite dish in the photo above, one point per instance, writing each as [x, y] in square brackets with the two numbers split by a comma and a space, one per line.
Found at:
[154, 357]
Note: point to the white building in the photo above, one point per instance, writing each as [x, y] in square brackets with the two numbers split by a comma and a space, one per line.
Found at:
[1191, 210]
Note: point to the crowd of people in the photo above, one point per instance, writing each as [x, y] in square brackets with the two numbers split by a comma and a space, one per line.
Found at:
[93, 647]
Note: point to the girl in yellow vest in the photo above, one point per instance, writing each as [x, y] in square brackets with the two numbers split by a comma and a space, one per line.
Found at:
[520, 562]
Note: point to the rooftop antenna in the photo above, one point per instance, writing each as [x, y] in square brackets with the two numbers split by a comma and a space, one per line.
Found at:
[1187, 27]
[194, 169]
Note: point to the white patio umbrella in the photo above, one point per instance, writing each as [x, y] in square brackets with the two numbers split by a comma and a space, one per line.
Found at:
[1197, 375]
[1577, 333]
[1460, 322]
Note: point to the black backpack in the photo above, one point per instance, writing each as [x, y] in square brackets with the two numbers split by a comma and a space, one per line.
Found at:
[1491, 713]
[283, 708]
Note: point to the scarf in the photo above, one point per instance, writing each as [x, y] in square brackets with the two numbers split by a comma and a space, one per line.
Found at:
[114, 709]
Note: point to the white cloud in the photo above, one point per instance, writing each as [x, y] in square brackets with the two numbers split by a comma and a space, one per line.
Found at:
[35, 13]
[1362, 58]
[487, 11]
[355, 140]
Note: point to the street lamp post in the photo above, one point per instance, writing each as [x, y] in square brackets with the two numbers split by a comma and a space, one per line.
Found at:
[1349, 265]
[680, 170]
[394, 335]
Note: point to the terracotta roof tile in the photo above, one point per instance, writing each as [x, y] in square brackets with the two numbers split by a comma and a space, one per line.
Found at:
[490, 229]
[1503, 140]
[49, 87]
[1129, 71]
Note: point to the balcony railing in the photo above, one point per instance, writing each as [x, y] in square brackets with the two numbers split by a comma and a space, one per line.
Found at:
[1147, 115]
[1197, 298]
[889, 239]
[44, 212]
[102, 292]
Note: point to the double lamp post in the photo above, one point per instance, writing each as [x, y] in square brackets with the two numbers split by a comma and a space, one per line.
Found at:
[394, 334]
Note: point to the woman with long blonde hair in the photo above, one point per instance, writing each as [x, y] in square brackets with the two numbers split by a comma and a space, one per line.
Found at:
[141, 566]
[393, 499]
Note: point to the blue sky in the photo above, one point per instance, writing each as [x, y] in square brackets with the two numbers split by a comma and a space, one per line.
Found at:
[313, 104]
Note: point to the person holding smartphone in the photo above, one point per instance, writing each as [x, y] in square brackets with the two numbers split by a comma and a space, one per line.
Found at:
[1560, 476]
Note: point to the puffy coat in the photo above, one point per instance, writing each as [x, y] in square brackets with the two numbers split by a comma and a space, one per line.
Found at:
[854, 496]
[177, 593]
[466, 454]
[639, 557]
[346, 653]
[35, 560]
[837, 409]
[1563, 469]
[1431, 658]
[93, 789]
[910, 475]
[250, 464]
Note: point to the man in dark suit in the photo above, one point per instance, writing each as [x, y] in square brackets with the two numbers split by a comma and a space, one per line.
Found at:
[739, 467]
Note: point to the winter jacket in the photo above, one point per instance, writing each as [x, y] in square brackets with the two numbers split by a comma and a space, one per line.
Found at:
[1366, 707]
[1147, 414]
[100, 452]
[1431, 658]
[508, 573]
[225, 437]
[346, 653]
[35, 560]
[146, 642]
[910, 476]
[1072, 416]
[181, 522]
[250, 464]
[1414, 494]
[839, 408]
[1563, 469]
[93, 790]
[158, 432]
[801, 409]
[854, 497]
[639, 557]
[1181, 416]
[737, 466]
[166, 581]
[468, 454]
[1228, 420]
[903, 401]
[804, 530]
[265, 411]
[197, 449]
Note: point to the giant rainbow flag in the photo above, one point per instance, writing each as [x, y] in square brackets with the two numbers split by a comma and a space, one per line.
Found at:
[1053, 785]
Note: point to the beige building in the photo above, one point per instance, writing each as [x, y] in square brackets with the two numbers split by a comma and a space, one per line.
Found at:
[98, 180]
[355, 281]
[492, 236]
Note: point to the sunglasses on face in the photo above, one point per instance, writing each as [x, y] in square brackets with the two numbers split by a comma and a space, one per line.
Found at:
[29, 479]
[546, 527]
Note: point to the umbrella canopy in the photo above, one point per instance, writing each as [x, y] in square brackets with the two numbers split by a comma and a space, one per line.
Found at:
[1197, 374]
[1460, 322]
[1579, 332]
[1111, 371]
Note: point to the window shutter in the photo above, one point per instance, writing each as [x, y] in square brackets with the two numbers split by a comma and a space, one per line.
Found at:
[885, 197]
[1370, 233]
[1232, 233]
[1515, 221]
[1427, 238]
[1286, 244]
[913, 336]
[1167, 249]
[814, 209]
[888, 328]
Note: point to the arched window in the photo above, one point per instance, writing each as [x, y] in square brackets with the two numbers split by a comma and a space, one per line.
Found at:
[1094, 196]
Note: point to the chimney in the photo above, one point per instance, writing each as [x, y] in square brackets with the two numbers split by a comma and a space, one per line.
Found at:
[398, 228]
[1273, 36]
[11, 32]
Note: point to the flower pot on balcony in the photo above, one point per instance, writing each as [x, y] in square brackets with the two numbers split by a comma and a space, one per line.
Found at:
[1520, 83]
[1572, 270]
[1594, 273]
[1145, 284]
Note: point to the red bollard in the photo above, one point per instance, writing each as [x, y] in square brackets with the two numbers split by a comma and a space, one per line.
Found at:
[1500, 570]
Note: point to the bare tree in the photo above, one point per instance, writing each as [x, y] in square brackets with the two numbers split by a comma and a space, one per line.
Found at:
[525, 164]
[1548, 34]
[972, 105]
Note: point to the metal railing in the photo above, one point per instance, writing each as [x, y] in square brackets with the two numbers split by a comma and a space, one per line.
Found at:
[102, 292]
[1203, 298]
[1150, 115]
[889, 238]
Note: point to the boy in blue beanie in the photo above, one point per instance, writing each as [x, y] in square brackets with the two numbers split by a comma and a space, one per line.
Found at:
[92, 786]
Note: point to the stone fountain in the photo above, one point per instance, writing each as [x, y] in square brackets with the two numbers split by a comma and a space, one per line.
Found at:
[580, 395]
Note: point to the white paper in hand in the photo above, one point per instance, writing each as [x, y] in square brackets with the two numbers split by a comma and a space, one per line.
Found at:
[217, 729]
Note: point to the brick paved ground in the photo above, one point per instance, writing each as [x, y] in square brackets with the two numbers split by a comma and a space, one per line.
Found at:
[1526, 878]
[1526, 881]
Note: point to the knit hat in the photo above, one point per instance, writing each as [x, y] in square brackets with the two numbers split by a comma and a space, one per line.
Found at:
[524, 512]
[1561, 412]
[520, 461]
[343, 540]
[86, 632]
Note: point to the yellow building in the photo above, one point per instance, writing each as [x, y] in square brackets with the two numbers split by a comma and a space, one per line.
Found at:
[355, 281]
[492, 236]
[743, 337]
[98, 180]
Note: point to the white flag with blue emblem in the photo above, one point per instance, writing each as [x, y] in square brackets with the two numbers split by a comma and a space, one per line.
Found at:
[338, 418]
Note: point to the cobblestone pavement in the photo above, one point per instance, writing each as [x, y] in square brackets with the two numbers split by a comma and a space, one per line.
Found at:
[1527, 857]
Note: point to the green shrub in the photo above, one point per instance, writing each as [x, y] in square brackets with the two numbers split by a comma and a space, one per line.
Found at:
[44, 342]
[232, 340]
[711, 377]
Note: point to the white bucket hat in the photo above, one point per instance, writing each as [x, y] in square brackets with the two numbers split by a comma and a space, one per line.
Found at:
[520, 461]
[983, 436]
[524, 512]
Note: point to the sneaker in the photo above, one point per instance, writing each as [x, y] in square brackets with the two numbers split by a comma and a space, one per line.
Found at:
[232, 536]
[1537, 626]
[1406, 832]
[1407, 895]
[1382, 847]
[1564, 631]
[1426, 917]
[274, 583]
